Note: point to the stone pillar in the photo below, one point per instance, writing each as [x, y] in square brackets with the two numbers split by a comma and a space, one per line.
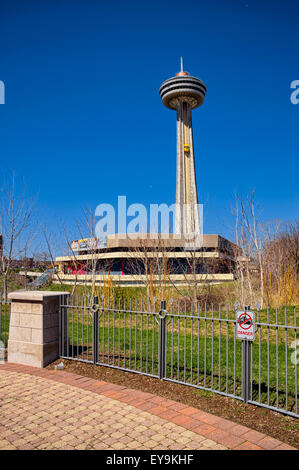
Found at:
[34, 327]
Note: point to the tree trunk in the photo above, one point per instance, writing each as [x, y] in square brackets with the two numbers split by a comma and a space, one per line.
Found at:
[5, 287]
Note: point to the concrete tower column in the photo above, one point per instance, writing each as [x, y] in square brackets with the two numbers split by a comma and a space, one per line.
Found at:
[184, 93]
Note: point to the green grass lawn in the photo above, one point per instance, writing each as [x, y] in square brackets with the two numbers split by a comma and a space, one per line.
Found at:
[4, 324]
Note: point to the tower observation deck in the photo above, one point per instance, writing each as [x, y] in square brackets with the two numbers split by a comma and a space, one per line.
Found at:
[184, 93]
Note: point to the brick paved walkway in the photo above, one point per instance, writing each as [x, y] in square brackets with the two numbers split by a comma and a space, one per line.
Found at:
[43, 409]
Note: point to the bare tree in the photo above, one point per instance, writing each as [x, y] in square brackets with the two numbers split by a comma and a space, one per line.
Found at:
[268, 267]
[239, 264]
[195, 267]
[49, 239]
[249, 237]
[84, 262]
[25, 250]
[86, 226]
[290, 235]
[244, 254]
[16, 214]
[280, 259]
[148, 259]
[41, 259]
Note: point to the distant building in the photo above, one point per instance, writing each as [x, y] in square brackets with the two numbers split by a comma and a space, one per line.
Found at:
[23, 263]
[128, 261]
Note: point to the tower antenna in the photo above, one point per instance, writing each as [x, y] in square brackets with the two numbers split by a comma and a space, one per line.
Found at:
[182, 68]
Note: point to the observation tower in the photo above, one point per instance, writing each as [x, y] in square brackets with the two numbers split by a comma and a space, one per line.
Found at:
[183, 93]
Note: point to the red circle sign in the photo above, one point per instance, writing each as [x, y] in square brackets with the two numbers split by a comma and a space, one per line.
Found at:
[245, 321]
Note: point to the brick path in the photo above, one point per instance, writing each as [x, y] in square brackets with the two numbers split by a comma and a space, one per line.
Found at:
[45, 409]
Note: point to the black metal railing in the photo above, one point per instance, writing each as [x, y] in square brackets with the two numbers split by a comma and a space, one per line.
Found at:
[195, 345]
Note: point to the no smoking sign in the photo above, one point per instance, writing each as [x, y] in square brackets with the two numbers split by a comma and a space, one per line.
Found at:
[245, 328]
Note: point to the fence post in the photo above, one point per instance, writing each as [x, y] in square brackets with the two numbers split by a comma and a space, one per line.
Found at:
[246, 366]
[60, 326]
[162, 340]
[246, 376]
[95, 331]
[63, 326]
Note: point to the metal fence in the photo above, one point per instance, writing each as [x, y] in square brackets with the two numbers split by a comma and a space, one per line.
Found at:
[4, 322]
[195, 345]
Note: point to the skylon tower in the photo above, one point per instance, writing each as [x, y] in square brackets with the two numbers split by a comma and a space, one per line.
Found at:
[183, 93]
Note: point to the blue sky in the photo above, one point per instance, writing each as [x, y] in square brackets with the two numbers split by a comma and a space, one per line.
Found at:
[83, 121]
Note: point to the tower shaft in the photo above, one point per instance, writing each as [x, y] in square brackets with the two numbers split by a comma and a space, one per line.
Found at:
[184, 93]
[187, 216]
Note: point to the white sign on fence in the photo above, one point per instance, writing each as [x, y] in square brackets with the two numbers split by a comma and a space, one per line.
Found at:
[245, 328]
